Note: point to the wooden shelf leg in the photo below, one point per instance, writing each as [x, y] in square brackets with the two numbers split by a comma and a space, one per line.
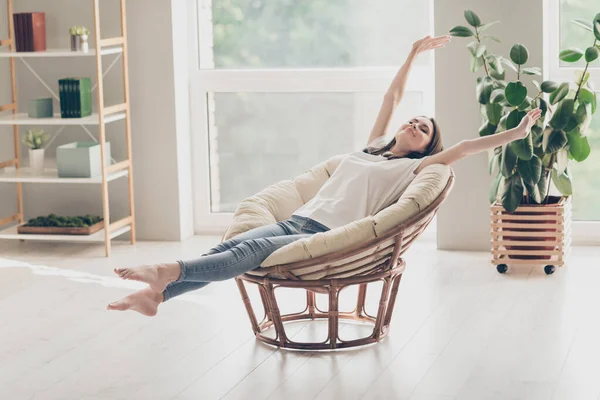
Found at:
[125, 60]
[102, 128]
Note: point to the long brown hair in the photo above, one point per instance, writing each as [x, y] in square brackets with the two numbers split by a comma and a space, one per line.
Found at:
[435, 146]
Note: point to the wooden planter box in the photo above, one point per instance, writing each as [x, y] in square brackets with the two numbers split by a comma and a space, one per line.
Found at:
[537, 234]
[54, 230]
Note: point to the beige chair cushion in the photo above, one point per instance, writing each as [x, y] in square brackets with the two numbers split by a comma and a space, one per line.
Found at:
[279, 201]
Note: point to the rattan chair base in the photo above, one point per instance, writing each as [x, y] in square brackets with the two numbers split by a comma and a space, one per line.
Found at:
[274, 320]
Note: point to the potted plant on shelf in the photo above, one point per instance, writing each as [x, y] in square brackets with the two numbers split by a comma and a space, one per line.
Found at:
[35, 139]
[79, 38]
[528, 225]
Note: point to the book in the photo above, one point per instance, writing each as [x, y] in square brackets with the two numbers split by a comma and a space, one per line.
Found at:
[85, 96]
[38, 31]
[28, 29]
[19, 31]
[63, 101]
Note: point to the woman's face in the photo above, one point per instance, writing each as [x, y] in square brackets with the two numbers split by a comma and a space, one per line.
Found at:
[415, 134]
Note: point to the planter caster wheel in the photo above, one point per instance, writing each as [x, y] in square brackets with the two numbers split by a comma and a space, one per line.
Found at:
[502, 268]
[549, 269]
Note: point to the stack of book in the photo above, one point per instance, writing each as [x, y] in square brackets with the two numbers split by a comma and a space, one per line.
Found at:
[30, 31]
[75, 97]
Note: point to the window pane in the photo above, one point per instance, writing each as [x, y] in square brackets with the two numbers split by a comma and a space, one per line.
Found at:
[257, 139]
[313, 33]
[572, 35]
[586, 185]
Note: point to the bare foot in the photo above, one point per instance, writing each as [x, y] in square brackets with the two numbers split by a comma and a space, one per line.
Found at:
[144, 301]
[157, 276]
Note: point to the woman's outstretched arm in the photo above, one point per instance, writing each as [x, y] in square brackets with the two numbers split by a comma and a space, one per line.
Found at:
[473, 146]
[395, 92]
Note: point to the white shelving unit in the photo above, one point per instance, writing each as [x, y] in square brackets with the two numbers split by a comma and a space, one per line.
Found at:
[24, 119]
[59, 53]
[12, 172]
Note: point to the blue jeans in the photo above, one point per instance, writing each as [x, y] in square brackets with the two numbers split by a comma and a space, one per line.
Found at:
[240, 254]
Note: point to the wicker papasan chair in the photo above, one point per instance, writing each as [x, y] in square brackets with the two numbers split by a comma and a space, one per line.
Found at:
[359, 253]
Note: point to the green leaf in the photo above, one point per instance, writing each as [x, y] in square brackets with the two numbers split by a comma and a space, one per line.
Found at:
[525, 104]
[584, 24]
[497, 96]
[549, 86]
[509, 161]
[484, 90]
[476, 63]
[497, 75]
[543, 105]
[571, 55]
[472, 47]
[534, 192]
[493, 194]
[560, 93]
[532, 71]
[597, 26]
[530, 170]
[580, 78]
[586, 96]
[519, 54]
[495, 162]
[554, 140]
[495, 63]
[461, 31]
[563, 113]
[508, 63]
[472, 18]
[562, 160]
[480, 50]
[562, 183]
[583, 113]
[513, 193]
[591, 54]
[579, 148]
[485, 27]
[523, 148]
[572, 124]
[514, 118]
[515, 93]
[494, 38]
[487, 129]
[543, 185]
[494, 113]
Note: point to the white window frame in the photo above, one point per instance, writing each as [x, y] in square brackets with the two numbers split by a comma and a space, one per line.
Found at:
[584, 232]
[313, 80]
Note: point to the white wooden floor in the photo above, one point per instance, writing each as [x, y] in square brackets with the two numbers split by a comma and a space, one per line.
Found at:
[460, 331]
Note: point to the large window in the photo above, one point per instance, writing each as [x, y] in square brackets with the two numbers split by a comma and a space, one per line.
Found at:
[586, 188]
[279, 86]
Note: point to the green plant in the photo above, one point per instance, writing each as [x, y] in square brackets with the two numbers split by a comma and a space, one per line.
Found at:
[523, 168]
[35, 138]
[79, 31]
[70, 222]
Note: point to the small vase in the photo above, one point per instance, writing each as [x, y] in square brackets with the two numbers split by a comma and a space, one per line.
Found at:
[36, 160]
[84, 43]
[75, 43]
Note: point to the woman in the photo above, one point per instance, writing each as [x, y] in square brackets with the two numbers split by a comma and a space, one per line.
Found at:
[385, 168]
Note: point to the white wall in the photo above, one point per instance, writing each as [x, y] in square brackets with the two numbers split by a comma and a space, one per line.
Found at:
[463, 221]
[159, 106]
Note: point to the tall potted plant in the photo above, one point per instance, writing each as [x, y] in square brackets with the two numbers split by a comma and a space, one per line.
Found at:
[528, 225]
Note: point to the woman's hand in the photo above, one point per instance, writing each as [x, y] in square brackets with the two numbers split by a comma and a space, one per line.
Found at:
[527, 122]
[430, 43]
